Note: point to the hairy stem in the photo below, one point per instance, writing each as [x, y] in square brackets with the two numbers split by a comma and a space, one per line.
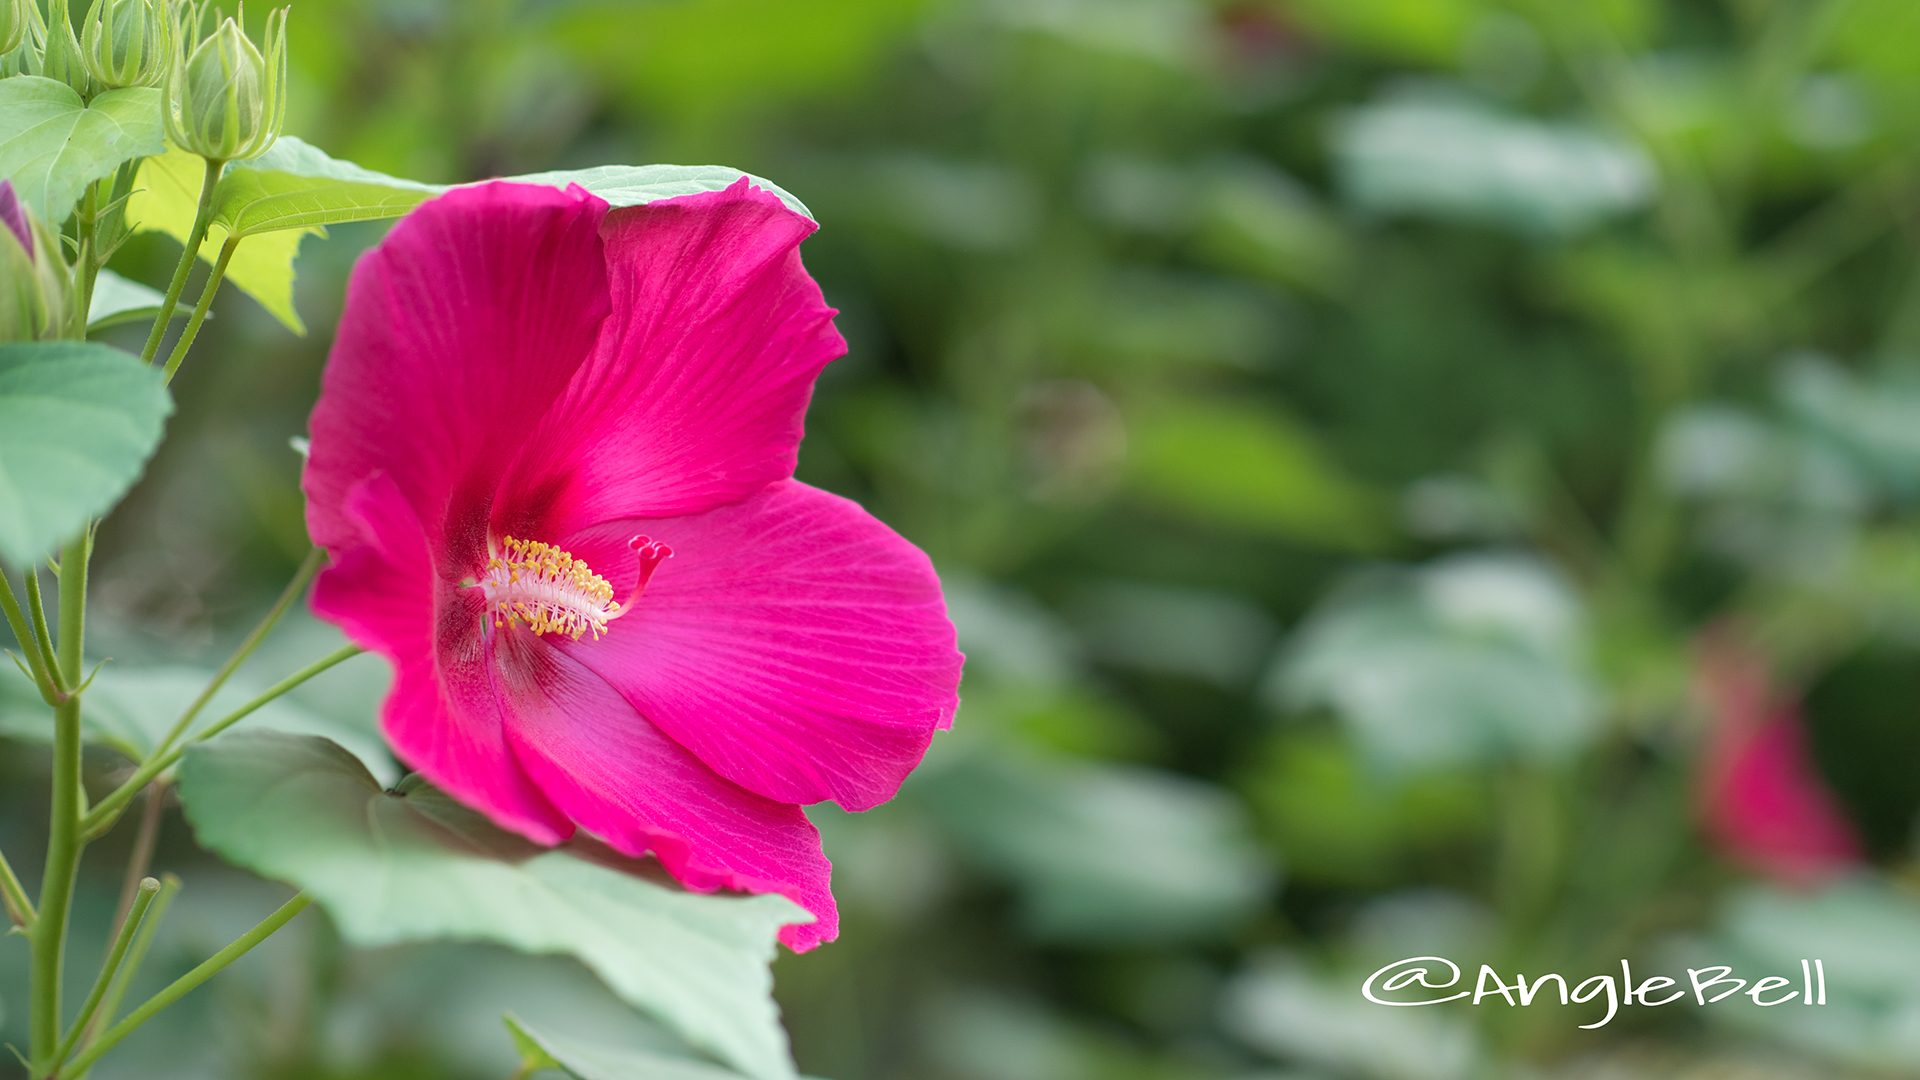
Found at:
[143, 898]
[64, 839]
[189, 982]
[108, 810]
[42, 636]
[219, 273]
[40, 660]
[202, 217]
[142, 941]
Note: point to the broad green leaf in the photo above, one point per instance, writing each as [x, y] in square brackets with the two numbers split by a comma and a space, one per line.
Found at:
[53, 144]
[296, 186]
[1451, 158]
[77, 424]
[117, 300]
[1866, 933]
[1251, 469]
[1103, 853]
[413, 865]
[164, 199]
[633, 185]
[588, 1059]
[129, 709]
[1474, 658]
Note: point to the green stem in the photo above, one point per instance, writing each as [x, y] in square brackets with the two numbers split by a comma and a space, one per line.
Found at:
[64, 840]
[103, 815]
[115, 956]
[39, 660]
[42, 636]
[199, 316]
[169, 886]
[189, 982]
[308, 567]
[202, 217]
[84, 268]
[19, 908]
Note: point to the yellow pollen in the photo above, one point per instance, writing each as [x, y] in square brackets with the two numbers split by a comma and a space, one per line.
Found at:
[547, 590]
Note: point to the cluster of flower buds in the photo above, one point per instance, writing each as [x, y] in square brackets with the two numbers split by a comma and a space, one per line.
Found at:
[225, 97]
[127, 43]
[225, 100]
[36, 285]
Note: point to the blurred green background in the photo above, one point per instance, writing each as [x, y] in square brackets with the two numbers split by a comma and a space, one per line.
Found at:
[1413, 477]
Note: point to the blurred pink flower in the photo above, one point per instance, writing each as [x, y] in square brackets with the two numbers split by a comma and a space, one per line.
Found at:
[1763, 802]
[552, 464]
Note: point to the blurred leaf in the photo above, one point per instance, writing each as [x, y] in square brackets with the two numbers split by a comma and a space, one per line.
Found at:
[1287, 1012]
[53, 144]
[77, 424]
[1472, 658]
[1343, 823]
[1217, 637]
[129, 710]
[304, 811]
[165, 198]
[117, 300]
[1866, 932]
[1104, 853]
[1451, 158]
[1258, 220]
[696, 60]
[1875, 421]
[1251, 469]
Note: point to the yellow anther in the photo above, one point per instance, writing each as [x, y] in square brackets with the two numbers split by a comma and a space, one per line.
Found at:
[546, 589]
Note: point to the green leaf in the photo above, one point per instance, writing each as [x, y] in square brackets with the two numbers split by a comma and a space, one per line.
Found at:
[1448, 157]
[1865, 931]
[393, 868]
[164, 200]
[77, 424]
[116, 300]
[588, 1059]
[53, 144]
[130, 709]
[1474, 658]
[633, 185]
[1102, 853]
[296, 186]
[1250, 468]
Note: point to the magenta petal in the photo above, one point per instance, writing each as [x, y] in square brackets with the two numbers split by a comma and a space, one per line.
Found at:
[698, 387]
[440, 716]
[796, 645]
[459, 330]
[619, 777]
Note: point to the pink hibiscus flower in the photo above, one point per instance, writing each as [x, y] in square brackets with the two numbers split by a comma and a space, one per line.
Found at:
[552, 462]
[1762, 801]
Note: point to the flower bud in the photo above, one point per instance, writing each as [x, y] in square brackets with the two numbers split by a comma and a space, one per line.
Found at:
[225, 101]
[36, 287]
[15, 17]
[127, 42]
[63, 60]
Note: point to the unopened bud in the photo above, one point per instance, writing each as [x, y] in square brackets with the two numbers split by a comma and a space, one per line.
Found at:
[63, 59]
[36, 287]
[226, 101]
[15, 16]
[127, 42]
